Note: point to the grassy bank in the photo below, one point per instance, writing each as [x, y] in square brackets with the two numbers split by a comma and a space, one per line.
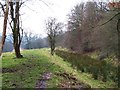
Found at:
[26, 71]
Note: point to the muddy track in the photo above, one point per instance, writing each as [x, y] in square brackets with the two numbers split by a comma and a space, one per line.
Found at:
[69, 81]
[41, 83]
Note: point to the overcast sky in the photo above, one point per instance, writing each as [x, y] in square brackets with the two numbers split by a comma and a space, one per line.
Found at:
[35, 12]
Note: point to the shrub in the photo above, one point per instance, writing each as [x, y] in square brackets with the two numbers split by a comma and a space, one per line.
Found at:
[99, 69]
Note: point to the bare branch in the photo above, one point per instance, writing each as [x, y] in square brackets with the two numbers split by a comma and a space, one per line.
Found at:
[10, 23]
[2, 6]
[44, 3]
[23, 3]
[118, 25]
[30, 8]
[110, 19]
[106, 21]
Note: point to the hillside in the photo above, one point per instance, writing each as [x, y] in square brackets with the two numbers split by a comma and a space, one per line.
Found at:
[38, 69]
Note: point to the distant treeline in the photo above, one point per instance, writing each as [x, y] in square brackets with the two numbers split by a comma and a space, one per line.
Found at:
[29, 41]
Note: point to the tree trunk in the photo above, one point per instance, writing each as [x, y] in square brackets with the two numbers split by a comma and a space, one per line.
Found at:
[4, 28]
[119, 46]
[17, 51]
[118, 55]
[119, 59]
[16, 43]
[52, 47]
[16, 32]
[118, 30]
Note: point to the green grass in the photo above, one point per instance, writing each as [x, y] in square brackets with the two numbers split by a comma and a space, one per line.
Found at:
[29, 69]
[35, 62]
[9, 60]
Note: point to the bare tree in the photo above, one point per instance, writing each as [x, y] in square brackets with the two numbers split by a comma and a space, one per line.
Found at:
[15, 26]
[28, 39]
[115, 6]
[53, 27]
[82, 18]
[75, 22]
[14, 22]
[4, 25]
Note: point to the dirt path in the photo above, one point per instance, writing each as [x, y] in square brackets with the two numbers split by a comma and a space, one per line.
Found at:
[68, 82]
[41, 83]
